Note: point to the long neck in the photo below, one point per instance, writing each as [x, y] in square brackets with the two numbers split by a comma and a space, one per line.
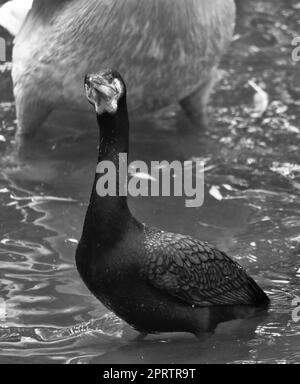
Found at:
[114, 133]
[108, 216]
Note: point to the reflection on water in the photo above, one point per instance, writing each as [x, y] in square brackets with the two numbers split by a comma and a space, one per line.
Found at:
[47, 314]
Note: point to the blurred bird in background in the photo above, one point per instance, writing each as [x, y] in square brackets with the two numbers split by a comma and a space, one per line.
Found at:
[168, 50]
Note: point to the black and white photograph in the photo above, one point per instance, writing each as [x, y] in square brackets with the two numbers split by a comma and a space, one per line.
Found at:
[149, 185]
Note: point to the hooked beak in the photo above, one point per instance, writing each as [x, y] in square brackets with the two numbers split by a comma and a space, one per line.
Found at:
[103, 92]
[99, 84]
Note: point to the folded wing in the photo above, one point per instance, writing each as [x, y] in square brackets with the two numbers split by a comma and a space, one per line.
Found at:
[197, 273]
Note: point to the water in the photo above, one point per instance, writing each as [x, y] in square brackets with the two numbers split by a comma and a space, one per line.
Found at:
[46, 313]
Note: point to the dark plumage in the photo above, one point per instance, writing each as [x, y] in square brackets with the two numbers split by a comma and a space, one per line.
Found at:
[196, 272]
[155, 280]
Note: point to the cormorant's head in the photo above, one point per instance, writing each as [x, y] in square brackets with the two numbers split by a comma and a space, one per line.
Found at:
[104, 90]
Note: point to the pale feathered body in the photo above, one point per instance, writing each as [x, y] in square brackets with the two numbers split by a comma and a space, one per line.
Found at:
[169, 47]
